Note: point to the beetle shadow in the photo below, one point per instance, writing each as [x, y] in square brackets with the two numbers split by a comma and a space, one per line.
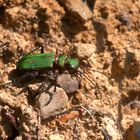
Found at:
[16, 77]
[21, 79]
[46, 83]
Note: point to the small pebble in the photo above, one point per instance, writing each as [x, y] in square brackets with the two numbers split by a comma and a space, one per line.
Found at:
[68, 83]
[84, 51]
[56, 137]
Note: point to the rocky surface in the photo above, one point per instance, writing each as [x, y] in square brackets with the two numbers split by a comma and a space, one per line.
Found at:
[105, 37]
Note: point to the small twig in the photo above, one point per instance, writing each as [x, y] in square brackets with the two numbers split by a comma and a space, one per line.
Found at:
[76, 107]
[86, 110]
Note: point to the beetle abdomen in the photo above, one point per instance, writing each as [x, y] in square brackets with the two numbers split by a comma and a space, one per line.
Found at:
[36, 61]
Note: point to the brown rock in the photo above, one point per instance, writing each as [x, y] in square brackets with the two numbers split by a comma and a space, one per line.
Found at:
[78, 9]
[84, 50]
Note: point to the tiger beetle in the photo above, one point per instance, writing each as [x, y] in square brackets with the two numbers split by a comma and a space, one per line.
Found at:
[36, 64]
[45, 60]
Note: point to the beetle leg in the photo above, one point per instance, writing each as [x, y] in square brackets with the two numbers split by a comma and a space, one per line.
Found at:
[42, 49]
[39, 47]
[42, 88]
[56, 78]
[96, 86]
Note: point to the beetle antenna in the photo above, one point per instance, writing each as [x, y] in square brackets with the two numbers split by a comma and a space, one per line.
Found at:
[100, 73]
[95, 84]
[91, 69]
[39, 47]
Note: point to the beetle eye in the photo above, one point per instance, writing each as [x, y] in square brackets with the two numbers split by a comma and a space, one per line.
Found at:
[73, 63]
[72, 66]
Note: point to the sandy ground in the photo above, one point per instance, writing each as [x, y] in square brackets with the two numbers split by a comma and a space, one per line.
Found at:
[103, 104]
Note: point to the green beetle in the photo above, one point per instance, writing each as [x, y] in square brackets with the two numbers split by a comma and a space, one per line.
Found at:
[45, 60]
[38, 64]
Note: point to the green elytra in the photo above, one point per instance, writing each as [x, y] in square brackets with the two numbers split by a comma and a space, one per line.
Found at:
[45, 60]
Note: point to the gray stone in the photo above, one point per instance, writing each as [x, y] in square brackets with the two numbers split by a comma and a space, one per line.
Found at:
[55, 101]
[68, 83]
